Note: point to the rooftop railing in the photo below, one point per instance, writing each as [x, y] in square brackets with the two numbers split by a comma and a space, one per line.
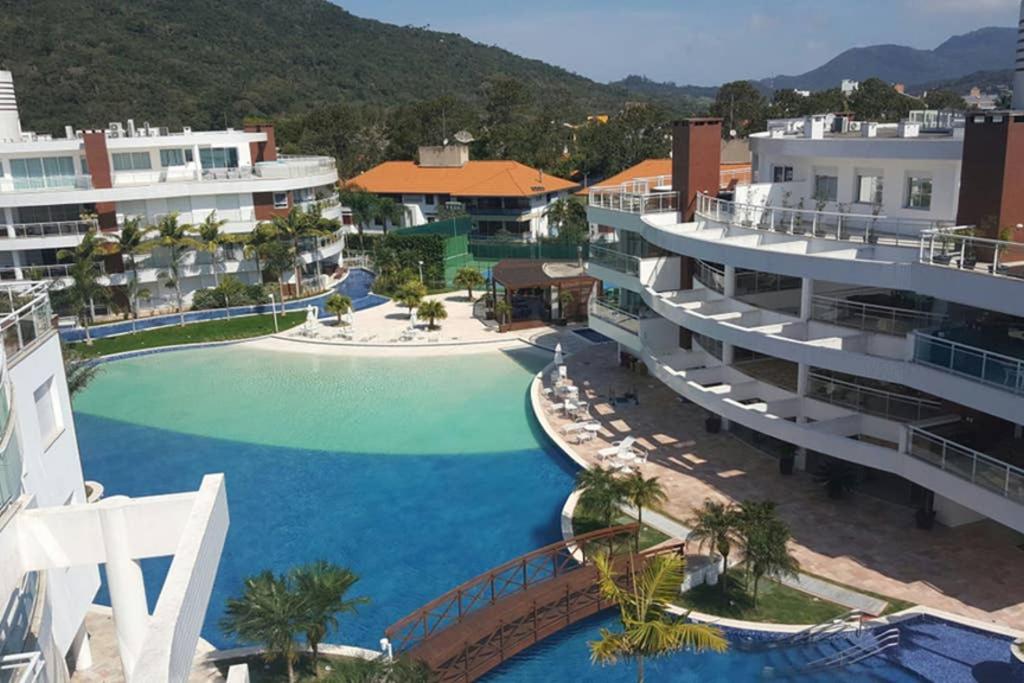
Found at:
[48, 229]
[835, 225]
[988, 367]
[615, 260]
[957, 248]
[968, 464]
[871, 317]
[46, 183]
[27, 315]
[619, 199]
[871, 401]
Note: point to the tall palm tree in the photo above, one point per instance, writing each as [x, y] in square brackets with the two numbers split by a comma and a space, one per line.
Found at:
[129, 243]
[269, 613]
[211, 239]
[84, 271]
[390, 212]
[643, 493]
[177, 240]
[295, 228]
[648, 630]
[601, 494]
[363, 206]
[717, 525]
[322, 587]
[765, 541]
[278, 260]
[257, 242]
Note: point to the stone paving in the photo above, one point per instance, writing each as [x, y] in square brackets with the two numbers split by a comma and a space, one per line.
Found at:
[863, 542]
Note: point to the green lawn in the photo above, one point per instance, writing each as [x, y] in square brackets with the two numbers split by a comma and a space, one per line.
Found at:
[210, 331]
[582, 524]
[776, 604]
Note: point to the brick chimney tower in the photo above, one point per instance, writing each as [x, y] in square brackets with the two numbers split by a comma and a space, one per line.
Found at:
[696, 161]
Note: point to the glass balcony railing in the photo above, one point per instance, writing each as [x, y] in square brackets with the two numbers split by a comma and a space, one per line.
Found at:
[987, 367]
[968, 464]
[610, 313]
[871, 317]
[616, 260]
[10, 464]
[871, 401]
[620, 199]
[27, 316]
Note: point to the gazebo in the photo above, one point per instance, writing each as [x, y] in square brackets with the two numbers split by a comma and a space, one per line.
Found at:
[540, 292]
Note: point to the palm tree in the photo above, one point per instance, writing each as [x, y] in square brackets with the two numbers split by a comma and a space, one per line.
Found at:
[569, 217]
[129, 243]
[765, 541]
[257, 242]
[296, 227]
[502, 310]
[648, 630]
[278, 261]
[601, 494]
[715, 524]
[641, 493]
[469, 278]
[80, 371]
[410, 294]
[363, 206]
[269, 613]
[84, 271]
[211, 239]
[388, 211]
[322, 587]
[432, 310]
[338, 304]
[177, 240]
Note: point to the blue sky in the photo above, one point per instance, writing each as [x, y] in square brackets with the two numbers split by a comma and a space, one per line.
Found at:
[693, 41]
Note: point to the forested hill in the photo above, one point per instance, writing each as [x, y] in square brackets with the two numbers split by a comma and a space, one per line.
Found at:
[206, 63]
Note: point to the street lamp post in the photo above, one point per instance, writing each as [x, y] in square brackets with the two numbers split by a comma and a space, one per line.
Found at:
[421, 270]
[273, 309]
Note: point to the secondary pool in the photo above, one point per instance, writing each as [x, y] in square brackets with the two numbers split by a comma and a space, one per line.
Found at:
[418, 473]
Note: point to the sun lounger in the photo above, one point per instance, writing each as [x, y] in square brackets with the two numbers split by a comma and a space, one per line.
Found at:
[617, 448]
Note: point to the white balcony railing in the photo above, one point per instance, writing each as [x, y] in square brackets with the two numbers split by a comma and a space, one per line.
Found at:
[871, 401]
[871, 317]
[25, 667]
[967, 463]
[48, 183]
[835, 225]
[614, 259]
[987, 367]
[25, 307]
[616, 199]
[958, 248]
[48, 229]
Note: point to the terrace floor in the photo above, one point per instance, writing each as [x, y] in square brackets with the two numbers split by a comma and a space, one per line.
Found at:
[866, 543]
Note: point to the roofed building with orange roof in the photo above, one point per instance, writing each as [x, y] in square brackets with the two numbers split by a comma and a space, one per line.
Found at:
[498, 195]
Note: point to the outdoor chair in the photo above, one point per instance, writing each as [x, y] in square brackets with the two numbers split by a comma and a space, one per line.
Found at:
[617, 448]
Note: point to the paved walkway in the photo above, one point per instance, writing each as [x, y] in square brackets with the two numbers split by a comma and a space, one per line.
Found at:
[972, 570]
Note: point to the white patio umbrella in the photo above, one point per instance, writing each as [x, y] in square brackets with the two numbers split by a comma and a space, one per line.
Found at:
[558, 354]
[412, 318]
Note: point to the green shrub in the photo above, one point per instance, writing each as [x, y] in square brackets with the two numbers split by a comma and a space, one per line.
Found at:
[230, 291]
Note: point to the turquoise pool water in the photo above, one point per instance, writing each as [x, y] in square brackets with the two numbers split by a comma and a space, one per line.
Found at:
[417, 473]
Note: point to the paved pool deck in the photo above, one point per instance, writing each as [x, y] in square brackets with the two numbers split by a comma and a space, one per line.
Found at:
[862, 542]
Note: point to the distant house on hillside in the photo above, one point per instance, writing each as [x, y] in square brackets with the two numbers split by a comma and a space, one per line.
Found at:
[500, 196]
[979, 100]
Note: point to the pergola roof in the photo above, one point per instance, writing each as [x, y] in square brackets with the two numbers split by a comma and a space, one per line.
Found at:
[528, 273]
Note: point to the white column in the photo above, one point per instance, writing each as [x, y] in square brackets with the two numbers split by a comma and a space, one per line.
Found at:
[195, 160]
[18, 263]
[127, 589]
[806, 298]
[802, 378]
[81, 650]
[730, 281]
[9, 222]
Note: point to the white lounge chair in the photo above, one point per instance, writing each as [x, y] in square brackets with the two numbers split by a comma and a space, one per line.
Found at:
[617, 448]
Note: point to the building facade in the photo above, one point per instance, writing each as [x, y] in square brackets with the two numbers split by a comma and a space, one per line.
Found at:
[54, 190]
[862, 302]
[501, 197]
[53, 534]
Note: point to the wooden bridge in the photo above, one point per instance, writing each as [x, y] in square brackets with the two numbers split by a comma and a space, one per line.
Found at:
[475, 627]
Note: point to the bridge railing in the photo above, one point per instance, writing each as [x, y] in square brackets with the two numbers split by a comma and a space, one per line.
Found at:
[520, 574]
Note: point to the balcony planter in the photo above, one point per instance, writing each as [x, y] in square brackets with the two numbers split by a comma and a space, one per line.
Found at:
[713, 424]
[925, 519]
[786, 464]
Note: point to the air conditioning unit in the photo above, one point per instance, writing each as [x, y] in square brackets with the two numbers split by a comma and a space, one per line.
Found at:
[187, 130]
[164, 130]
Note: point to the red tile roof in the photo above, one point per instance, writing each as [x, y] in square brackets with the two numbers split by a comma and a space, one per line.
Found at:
[474, 179]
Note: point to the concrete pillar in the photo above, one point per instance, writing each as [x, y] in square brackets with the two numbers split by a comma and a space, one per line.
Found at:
[806, 298]
[81, 650]
[730, 281]
[802, 377]
[127, 589]
[18, 262]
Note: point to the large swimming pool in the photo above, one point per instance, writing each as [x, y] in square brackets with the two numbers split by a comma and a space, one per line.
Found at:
[418, 473]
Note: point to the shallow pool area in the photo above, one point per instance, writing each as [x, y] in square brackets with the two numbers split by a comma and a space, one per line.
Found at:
[417, 472]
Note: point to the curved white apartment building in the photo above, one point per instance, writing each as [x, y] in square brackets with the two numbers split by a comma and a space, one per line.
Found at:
[862, 300]
[52, 190]
[52, 539]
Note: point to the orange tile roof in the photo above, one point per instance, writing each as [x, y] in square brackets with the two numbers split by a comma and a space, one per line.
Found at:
[647, 168]
[474, 179]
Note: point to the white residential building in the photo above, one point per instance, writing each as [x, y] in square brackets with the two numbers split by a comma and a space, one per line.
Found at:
[833, 309]
[53, 190]
[52, 538]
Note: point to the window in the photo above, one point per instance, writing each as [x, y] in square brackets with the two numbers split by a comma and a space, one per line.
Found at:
[172, 157]
[280, 200]
[869, 187]
[132, 161]
[919, 192]
[826, 186]
[429, 199]
[85, 164]
[218, 157]
[51, 422]
[782, 174]
[32, 174]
